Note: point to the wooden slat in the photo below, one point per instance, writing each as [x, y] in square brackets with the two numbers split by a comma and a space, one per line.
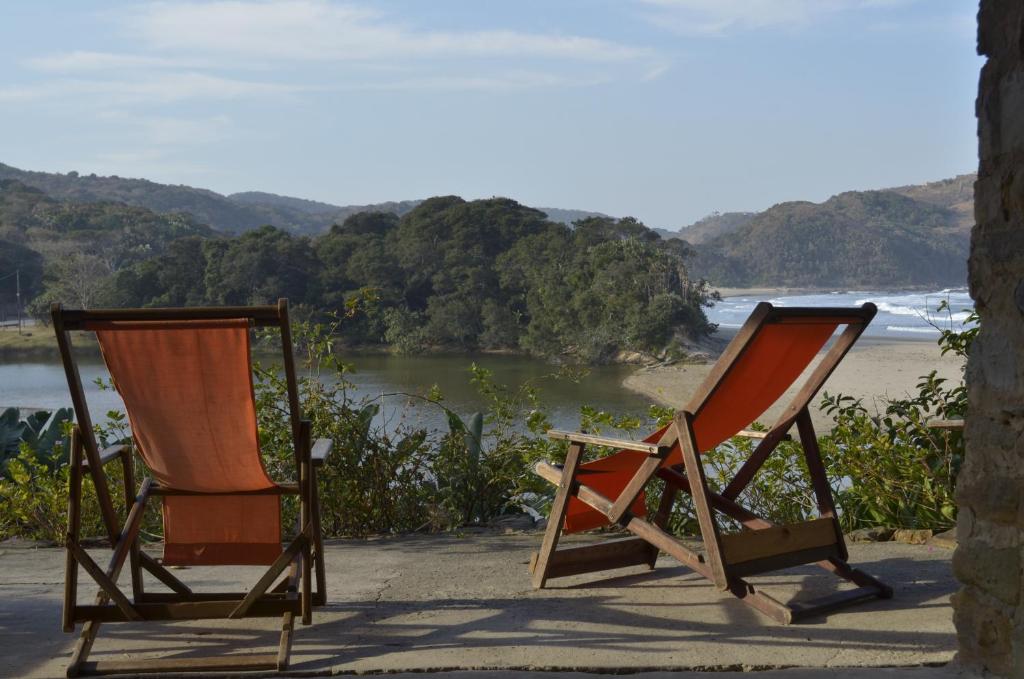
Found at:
[172, 597]
[579, 437]
[158, 571]
[277, 489]
[108, 586]
[110, 453]
[808, 609]
[554, 475]
[321, 449]
[632, 490]
[84, 423]
[945, 424]
[229, 663]
[186, 610]
[78, 319]
[779, 562]
[565, 480]
[749, 545]
[599, 557]
[760, 601]
[74, 521]
[699, 493]
[823, 314]
[264, 583]
[751, 434]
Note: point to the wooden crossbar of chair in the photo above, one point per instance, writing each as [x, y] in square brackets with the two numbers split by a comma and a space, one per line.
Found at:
[300, 562]
[673, 456]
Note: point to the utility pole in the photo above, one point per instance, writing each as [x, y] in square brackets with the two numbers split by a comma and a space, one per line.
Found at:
[17, 295]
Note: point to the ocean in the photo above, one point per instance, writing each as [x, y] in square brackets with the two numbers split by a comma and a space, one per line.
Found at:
[901, 314]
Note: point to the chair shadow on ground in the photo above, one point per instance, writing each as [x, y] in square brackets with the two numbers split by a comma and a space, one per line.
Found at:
[480, 631]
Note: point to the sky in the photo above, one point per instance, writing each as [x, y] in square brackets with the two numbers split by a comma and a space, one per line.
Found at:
[666, 110]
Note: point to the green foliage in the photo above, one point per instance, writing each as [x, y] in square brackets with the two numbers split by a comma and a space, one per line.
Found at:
[41, 431]
[892, 468]
[450, 274]
[889, 468]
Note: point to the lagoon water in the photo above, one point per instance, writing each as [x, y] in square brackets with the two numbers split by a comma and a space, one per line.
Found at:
[388, 379]
[41, 383]
[901, 315]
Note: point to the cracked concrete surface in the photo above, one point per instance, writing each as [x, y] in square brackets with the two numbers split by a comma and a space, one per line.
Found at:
[446, 603]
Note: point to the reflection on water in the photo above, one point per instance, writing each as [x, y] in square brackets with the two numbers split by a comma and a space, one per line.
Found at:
[41, 384]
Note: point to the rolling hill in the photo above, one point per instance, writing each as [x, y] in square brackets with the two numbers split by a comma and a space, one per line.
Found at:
[909, 236]
[234, 213]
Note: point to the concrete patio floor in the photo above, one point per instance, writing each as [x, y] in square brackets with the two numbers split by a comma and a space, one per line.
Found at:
[433, 604]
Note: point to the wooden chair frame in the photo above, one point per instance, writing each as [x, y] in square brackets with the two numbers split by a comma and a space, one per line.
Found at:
[292, 595]
[761, 546]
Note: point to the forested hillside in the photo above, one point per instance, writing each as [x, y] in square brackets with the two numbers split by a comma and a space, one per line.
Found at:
[81, 244]
[873, 239]
[903, 236]
[713, 226]
[448, 274]
[485, 274]
[235, 213]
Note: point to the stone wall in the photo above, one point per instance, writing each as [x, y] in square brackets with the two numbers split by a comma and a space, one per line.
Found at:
[989, 609]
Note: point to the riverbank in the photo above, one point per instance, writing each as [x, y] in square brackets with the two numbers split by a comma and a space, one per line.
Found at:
[39, 342]
[876, 369]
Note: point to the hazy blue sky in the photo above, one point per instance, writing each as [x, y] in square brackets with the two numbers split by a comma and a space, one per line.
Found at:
[661, 109]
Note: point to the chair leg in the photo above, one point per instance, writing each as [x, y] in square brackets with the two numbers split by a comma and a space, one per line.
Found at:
[668, 500]
[699, 492]
[539, 564]
[284, 648]
[320, 593]
[82, 648]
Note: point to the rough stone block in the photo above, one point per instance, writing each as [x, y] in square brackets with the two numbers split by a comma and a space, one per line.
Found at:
[995, 570]
[912, 536]
[993, 498]
[984, 630]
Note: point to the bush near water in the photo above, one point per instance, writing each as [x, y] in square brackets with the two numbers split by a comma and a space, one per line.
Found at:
[888, 468]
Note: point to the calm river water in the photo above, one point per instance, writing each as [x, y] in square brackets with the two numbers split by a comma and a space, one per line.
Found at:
[41, 384]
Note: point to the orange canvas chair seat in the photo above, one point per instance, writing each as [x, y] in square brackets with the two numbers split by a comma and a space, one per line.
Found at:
[187, 389]
[770, 353]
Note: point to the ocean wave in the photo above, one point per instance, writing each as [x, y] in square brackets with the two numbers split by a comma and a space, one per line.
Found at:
[921, 329]
[896, 309]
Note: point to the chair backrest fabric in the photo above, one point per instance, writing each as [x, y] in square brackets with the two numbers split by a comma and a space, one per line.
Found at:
[188, 392]
[769, 365]
[767, 357]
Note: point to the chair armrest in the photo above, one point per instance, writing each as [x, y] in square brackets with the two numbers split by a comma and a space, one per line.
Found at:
[946, 424]
[111, 453]
[751, 434]
[321, 449]
[579, 437]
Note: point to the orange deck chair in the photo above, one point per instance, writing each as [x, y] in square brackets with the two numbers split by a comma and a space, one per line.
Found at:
[185, 377]
[767, 356]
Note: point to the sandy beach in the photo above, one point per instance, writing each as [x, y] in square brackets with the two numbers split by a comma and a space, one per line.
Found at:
[874, 370]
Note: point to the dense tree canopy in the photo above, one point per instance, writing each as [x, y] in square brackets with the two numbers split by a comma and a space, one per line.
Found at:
[450, 274]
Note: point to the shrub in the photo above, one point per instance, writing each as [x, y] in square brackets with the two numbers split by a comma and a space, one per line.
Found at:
[888, 468]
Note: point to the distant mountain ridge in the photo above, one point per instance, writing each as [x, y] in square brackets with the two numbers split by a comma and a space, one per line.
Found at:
[234, 213]
[904, 236]
[901, 236]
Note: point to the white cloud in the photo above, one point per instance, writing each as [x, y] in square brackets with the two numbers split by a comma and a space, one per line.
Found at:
[195, 50]
[153, 89]
[501, 82]
[715, 17]
[83, 61]
[318, 30]
[162, 130]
